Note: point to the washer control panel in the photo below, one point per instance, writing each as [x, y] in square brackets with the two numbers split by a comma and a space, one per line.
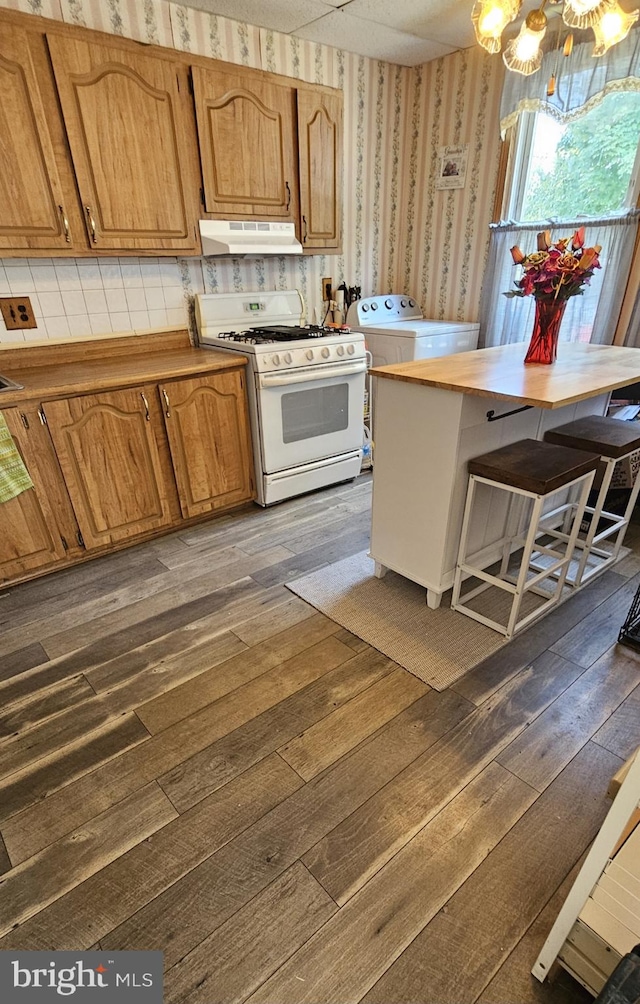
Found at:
[383, 309]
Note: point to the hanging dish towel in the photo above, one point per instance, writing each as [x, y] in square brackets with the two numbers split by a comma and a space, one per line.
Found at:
[14, 476]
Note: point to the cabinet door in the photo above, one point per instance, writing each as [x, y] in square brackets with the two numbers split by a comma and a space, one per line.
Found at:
[29, 536]
[247, 145]
[320, 140]
[33, 209]
[106, 447]
[208, 429]
[126, 122]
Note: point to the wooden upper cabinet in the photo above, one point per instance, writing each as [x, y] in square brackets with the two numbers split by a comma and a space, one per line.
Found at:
[320, 142]
[207, 425]
[248, 150]
[34, 205]
[107, 450]
[29, 538]
[126, 117]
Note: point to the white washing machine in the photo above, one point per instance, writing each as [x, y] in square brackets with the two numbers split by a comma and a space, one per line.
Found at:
[396, 332]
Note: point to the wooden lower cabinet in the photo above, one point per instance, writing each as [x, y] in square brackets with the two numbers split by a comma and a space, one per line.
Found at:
[30, 537]
[114, 466]
[208, 429]
[107, 450]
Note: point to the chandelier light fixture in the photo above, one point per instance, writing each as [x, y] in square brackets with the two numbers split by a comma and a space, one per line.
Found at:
[606, 18]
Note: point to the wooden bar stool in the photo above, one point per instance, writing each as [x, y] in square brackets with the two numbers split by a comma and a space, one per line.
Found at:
[614, 440]
[532, 472]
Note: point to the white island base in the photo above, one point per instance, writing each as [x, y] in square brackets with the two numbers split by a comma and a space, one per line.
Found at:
[424, 438]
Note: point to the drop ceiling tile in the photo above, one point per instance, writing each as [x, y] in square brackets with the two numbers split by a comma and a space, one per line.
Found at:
[280, 15]
[366, 38]
[444, 21]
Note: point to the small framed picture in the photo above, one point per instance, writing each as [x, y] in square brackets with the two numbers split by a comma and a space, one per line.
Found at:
[452, 171]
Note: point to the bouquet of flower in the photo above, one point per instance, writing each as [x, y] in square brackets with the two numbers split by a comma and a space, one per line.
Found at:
[555, 271]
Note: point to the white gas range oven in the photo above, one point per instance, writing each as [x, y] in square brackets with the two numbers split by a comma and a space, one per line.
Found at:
[305, 385]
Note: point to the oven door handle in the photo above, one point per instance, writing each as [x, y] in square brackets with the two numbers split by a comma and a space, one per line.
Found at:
[311, 374]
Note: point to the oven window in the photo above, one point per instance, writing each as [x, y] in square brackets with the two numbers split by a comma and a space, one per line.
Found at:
[316, 411]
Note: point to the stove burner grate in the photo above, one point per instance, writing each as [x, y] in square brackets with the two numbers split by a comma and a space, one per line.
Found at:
[290, 333]
[269, 334]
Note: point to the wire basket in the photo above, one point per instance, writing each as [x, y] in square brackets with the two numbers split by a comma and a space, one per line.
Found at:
[630, 630]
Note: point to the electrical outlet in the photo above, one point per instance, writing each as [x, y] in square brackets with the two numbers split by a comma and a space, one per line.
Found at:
[327, 287]
[17, 312]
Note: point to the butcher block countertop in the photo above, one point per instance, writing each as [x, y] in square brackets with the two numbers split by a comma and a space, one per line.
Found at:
[581, 371]
[63, 369]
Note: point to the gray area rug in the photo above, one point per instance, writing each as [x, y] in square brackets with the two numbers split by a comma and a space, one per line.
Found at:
[438, 646]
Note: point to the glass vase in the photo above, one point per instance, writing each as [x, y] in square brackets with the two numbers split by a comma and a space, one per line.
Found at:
[543, 346]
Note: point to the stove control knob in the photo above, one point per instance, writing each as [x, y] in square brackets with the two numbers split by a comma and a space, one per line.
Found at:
[309, 353]
[412, 303]
[374, 305]
[276, 360]
[388, 304]
[403, 303]
[325, 352]
[288, 358]
[351, 349]
[365, 307]
[340, 350]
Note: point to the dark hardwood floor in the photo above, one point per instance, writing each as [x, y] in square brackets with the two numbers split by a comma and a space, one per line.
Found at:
[193, 759]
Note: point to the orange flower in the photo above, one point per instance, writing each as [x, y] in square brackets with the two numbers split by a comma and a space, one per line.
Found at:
[517, 255]
[544, 240]
[577, 241]
[589, 257]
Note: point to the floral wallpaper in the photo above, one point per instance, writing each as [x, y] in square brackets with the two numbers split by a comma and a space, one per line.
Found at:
[400, 233]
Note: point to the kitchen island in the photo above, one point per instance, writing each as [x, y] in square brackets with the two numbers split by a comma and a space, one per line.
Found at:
[433, 416]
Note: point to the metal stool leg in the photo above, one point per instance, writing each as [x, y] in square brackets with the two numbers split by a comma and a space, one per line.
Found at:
[627, 517]
[464, 536]
[586, 546]
[532, 533]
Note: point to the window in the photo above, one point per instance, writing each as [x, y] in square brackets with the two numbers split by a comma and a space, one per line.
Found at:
[585, 167]
[573, 160]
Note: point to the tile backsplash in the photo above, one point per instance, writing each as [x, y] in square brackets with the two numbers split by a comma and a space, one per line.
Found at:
[96, 296]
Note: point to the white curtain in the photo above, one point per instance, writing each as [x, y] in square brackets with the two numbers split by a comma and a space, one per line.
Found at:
[633, 331]
[591, 317]
[581, 81]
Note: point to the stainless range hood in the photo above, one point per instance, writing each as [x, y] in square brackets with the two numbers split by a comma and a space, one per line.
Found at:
[254, 238]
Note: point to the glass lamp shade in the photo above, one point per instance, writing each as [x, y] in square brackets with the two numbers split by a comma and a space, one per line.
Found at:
[583, 13]
[524, 53]
[613, 26]
[490, 18]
